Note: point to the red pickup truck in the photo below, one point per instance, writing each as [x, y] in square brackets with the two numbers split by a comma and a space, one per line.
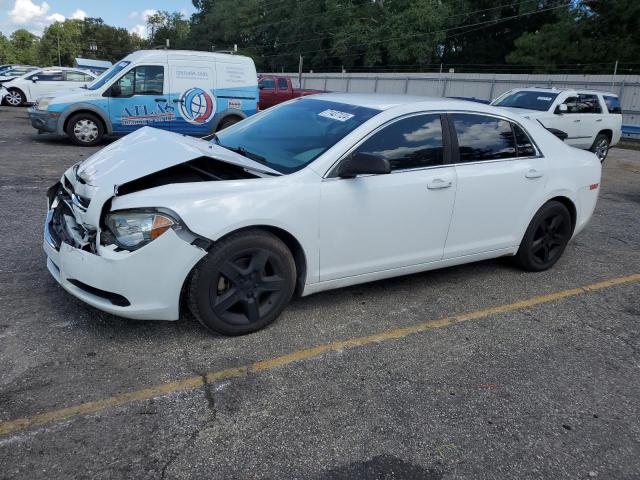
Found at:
[275, 90]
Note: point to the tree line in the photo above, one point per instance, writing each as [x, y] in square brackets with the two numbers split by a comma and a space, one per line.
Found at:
[553, 36]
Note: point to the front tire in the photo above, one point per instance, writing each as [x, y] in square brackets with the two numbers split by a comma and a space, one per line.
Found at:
[15, 98]
[601, 146]
[243, 283]
[85, 129]
[546, 237]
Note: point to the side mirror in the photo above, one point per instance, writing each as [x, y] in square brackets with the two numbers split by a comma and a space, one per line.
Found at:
[562, 108]
[116, 90]
[34, 79]
[363, 164]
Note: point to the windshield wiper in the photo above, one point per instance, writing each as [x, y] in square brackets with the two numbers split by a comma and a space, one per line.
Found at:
[245, 153]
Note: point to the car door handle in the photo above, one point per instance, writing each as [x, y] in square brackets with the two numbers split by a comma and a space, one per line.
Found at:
[599, 120]
[533, 173]
[161, 100]
[576, 121]
[438, 184]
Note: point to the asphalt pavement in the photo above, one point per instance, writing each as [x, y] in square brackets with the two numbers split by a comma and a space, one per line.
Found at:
[478, 371]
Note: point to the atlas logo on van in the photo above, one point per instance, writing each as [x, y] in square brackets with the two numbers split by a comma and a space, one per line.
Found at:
[139, 115]
[196, 106]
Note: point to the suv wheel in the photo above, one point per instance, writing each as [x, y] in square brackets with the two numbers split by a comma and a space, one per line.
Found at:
[243, 283]
[601, 146]
[85, 129]
[15, 98]
[546, 237]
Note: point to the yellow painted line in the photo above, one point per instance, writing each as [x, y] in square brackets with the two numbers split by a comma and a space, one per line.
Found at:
[10, 426]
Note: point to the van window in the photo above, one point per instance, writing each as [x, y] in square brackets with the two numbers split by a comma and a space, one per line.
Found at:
[143, 80]
[108, 75]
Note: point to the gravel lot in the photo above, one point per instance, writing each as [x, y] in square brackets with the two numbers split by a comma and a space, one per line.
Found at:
[546, 390]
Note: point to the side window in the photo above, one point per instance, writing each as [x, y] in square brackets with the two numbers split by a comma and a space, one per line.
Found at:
[483, 138]
[147, 80]
[589, 104]
[267, 83]
[50, 76]
[523, 142]
[613, 104]
[572, 105]
[282, 84]
[72, 76]
[412, 142]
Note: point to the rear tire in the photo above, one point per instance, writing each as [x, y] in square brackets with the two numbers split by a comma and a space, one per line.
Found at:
[546, 237]
[227, 122]
[601, 146]
[243, 283]
[85, 129]
[15, 98]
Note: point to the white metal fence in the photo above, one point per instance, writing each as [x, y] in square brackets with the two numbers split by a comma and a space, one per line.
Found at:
[476, 85]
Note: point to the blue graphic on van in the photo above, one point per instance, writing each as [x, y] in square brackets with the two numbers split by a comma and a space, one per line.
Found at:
[140, 115]
[196, 106]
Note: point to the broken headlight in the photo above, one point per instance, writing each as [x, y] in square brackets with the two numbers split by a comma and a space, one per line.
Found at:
[131, 229]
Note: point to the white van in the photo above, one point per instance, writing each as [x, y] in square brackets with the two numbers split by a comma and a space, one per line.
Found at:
[189, 92]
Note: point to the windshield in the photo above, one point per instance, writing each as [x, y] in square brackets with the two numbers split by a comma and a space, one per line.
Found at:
[531, 100]
[290, 137]
[107, 75]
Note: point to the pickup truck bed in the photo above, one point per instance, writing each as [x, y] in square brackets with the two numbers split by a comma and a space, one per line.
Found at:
[275, 90]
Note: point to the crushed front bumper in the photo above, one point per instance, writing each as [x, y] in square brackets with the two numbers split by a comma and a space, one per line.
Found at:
[44, 121]
[144, 284]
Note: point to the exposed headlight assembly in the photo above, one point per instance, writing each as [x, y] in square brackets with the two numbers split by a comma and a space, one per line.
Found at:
[132, 229]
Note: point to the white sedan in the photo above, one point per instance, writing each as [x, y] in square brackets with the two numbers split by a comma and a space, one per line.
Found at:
[317, 193]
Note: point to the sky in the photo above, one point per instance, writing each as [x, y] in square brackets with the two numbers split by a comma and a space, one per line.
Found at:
[35, 15]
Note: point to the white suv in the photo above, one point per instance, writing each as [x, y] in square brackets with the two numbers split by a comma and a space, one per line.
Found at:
[586, 119]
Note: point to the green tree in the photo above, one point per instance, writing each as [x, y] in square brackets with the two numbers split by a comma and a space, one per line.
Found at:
[7, 53]
[61, 41]
[24, 45]
[168, 26]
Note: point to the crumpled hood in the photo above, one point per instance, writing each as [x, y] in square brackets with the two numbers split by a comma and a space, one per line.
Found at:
[150, 150]
[139, 154]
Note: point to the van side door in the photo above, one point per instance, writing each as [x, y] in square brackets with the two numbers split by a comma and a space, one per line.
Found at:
[192, 96]
[140, 98]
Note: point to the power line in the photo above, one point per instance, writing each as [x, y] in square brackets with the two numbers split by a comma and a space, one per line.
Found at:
[484, 24]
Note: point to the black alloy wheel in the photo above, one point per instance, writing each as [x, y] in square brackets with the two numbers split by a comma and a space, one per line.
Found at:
[546, 237]
[243, 284]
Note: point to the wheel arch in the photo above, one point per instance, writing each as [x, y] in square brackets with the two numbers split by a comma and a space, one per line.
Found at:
[21, 91]
[608, 132]
[83, 108]
[229, 113]
[567, 202]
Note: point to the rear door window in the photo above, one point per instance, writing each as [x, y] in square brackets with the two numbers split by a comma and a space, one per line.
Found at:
[481, 137]
[613, 104]
[282, 84]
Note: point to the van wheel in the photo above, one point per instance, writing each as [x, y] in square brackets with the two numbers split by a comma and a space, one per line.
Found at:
[546, 237]
[14, 98]
[227, 122]
[243, 283]
[85, 129]
[601, 146]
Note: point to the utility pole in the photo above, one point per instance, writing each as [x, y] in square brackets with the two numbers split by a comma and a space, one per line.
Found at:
[59, 61]
[300, 73]
[615, 71]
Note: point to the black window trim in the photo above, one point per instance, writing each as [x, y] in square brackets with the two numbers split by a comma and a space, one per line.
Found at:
[449, 138]
[332, 172]
[454, 139]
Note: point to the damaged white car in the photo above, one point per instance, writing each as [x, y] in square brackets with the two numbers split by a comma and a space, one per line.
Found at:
[317, 193]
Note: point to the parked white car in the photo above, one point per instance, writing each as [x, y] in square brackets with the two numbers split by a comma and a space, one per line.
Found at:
[43, 81]
[586, 119]
[317, 193]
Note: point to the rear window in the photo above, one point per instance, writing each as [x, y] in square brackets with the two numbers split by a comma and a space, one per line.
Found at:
[528, 99]
[613, 104]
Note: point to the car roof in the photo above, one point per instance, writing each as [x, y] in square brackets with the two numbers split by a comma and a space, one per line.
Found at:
[564, 90]
[163, 55]
[388, 101]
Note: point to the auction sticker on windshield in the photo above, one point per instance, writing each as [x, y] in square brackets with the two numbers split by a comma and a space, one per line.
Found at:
[336, 115]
